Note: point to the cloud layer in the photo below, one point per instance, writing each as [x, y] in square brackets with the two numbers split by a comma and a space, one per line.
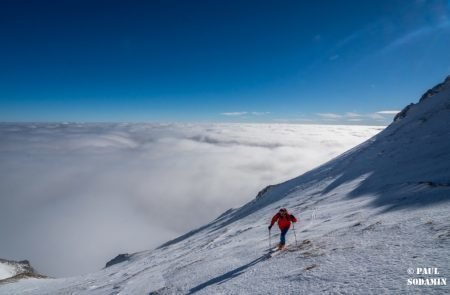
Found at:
[72, 196]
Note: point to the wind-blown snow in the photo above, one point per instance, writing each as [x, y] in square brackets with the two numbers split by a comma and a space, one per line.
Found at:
[366, 219]
[96, 190]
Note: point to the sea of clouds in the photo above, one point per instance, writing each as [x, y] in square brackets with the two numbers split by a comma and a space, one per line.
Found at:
[72, 196]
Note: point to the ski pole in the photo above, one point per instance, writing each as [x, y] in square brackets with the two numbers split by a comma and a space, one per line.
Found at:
[293, 227]
[270, 240]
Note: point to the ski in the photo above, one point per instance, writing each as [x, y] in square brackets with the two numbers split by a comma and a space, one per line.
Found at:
[276, 251]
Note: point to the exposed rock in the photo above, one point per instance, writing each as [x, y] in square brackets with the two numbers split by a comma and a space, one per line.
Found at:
[22, 269]
[263, 191]
[434, 90]
[118, 259]
[403, 112]
[429, 93]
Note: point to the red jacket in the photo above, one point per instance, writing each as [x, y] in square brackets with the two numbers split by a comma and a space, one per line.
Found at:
[284, 222]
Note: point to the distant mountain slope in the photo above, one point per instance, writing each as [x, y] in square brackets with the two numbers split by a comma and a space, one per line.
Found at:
[367, 220]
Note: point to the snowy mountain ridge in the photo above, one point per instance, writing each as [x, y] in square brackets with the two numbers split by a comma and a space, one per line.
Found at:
[12, 271]
[368, 220]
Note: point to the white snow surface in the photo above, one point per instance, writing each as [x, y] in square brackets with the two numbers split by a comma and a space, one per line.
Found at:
[6, 270]
[364, 219]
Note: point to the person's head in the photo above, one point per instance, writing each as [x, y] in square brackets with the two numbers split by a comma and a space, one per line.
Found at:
[283, 211]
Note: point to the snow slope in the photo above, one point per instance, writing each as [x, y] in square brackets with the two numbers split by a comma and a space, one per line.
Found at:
[11, 271]
[366, 219]
[6, 271]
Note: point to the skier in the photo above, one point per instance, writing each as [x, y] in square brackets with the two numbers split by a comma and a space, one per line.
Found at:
[284, 223]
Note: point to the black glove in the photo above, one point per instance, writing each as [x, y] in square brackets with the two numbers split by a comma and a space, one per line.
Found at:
[270, 227]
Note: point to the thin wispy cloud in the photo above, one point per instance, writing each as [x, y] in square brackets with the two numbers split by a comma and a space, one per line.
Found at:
[334, 57]
[414, 35]
[260, 113]
[376, 116]
[388, 112]
[380, 117]
[329, 115]
[234, 113]
[349, 38]
[293, 120]
[352, 115]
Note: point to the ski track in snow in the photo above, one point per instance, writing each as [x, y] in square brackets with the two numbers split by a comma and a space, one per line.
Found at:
[364, 219]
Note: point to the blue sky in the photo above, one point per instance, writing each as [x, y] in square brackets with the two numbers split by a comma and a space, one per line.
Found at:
[219, 61]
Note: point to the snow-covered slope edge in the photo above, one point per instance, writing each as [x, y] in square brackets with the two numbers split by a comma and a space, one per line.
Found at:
[365, 218]
[12, 271]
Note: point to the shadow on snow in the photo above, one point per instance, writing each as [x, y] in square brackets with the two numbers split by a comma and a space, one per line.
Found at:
[229, 275]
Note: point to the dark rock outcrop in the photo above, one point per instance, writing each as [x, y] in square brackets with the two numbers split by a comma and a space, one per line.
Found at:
[403, 112]
[436, 89]
[263, 191]
[118, 259]
[429, 93]
[23, 269]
